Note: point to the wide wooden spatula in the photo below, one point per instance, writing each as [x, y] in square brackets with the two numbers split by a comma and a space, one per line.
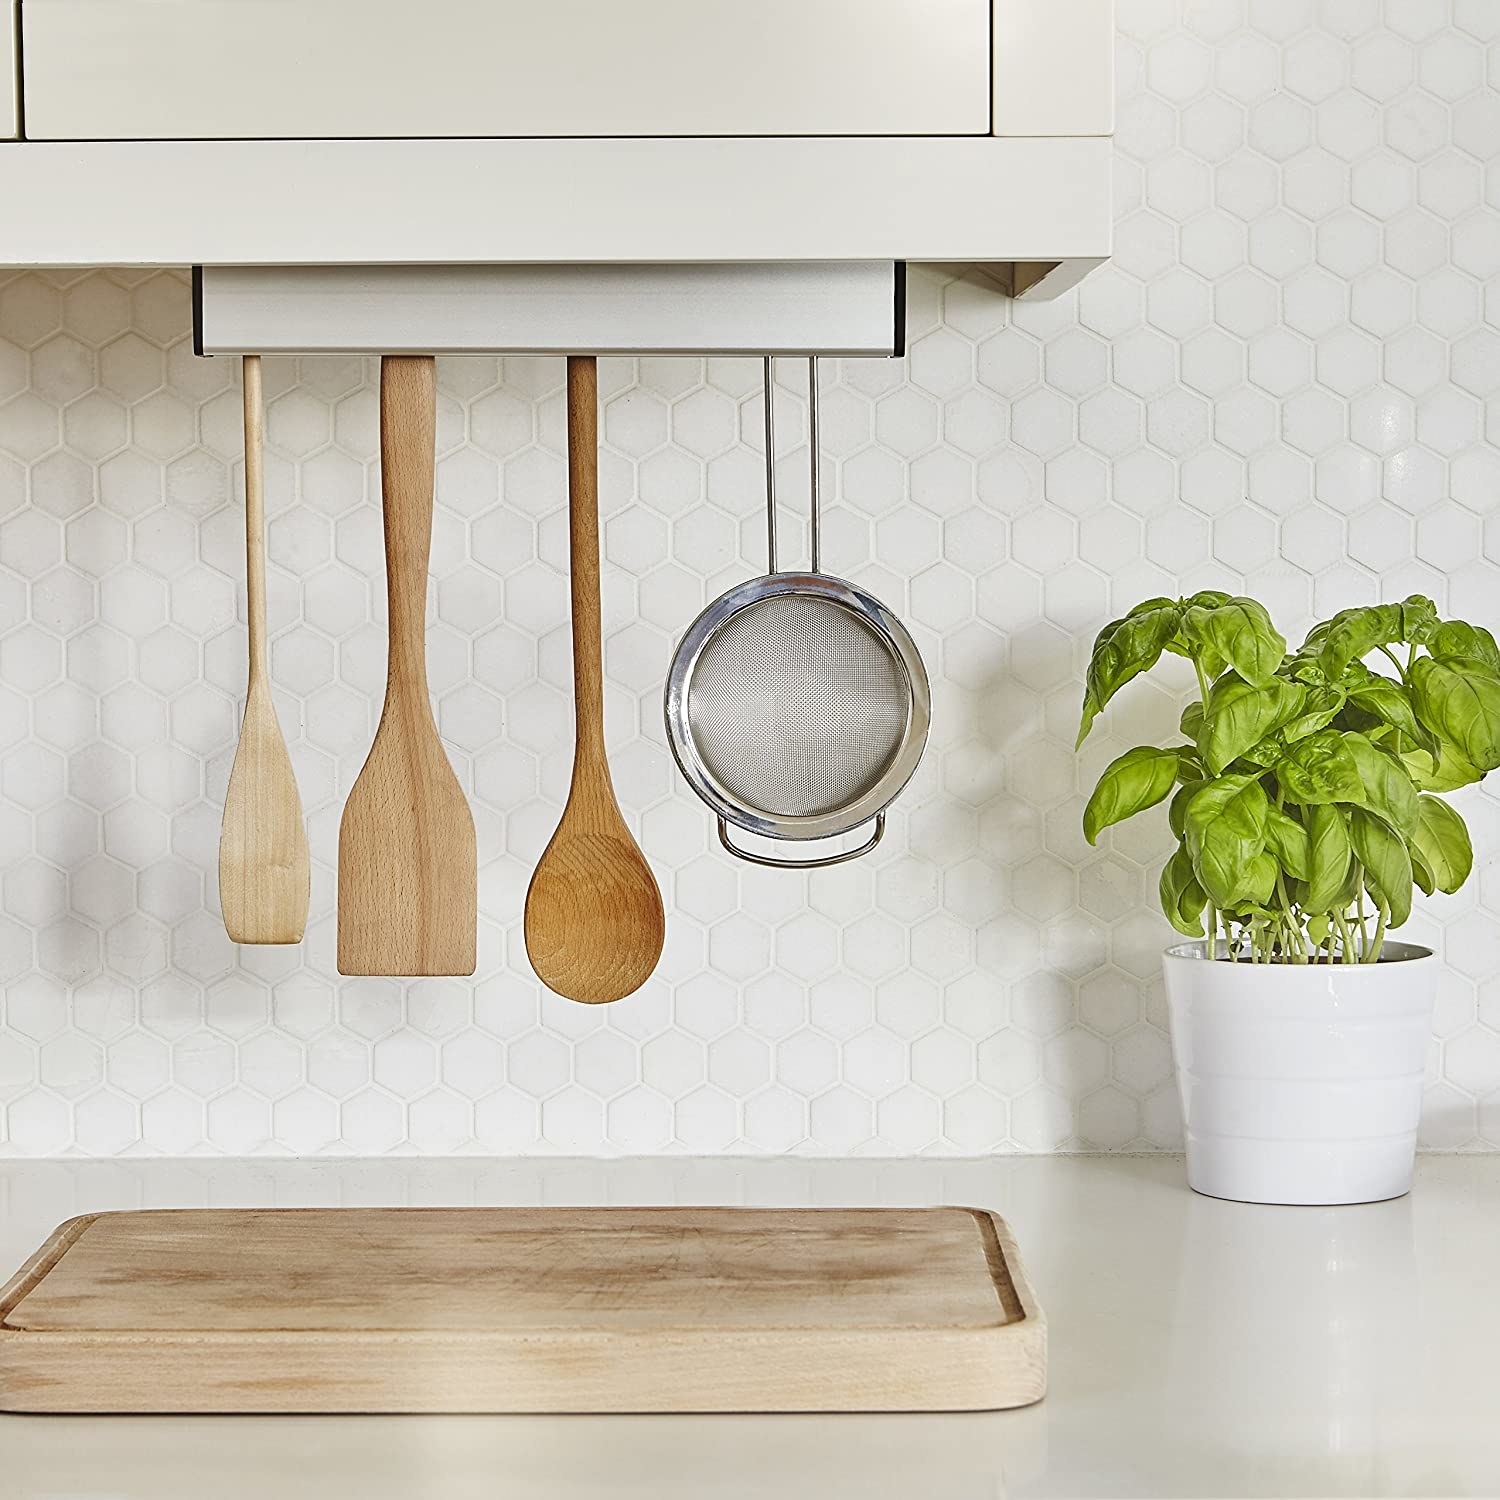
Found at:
[408, 873]
[594, 925]
[263, 869]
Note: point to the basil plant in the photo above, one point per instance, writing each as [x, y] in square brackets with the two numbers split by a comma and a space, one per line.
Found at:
[1306, 797]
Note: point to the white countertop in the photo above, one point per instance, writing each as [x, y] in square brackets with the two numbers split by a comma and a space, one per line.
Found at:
[1196, 1347]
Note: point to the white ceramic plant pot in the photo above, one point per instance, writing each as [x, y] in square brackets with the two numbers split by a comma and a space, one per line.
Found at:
[1301, 1083]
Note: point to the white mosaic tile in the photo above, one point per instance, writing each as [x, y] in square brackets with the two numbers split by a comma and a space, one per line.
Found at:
[1285, 382]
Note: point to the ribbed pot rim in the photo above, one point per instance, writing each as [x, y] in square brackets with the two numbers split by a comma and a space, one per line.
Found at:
[1393, 952]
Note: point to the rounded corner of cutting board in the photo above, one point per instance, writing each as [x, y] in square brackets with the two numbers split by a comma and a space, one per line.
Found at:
[40, 1262]
[19, 1392]
[1017, 1360]
[71, 1230]
[1009, 1253]
[1018, 1346]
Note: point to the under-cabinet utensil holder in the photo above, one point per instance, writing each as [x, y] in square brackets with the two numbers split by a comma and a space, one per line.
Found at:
[846, 308]
[841, 308]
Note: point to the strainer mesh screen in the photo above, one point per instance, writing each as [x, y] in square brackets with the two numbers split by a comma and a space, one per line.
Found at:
[797, 706]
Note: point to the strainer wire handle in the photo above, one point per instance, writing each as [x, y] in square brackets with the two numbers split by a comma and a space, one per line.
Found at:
[815, 528]
[815, 502]
[770, 405]
[803, 864]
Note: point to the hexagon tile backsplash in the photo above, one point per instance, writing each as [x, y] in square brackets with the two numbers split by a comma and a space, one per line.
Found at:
[1288, 381]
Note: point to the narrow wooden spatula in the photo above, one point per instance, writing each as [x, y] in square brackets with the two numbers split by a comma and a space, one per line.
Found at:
[594, 924]
[408, 873]
[263, 869]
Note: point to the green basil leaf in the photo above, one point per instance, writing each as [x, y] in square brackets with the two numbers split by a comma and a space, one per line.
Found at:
[1206, 657]
[1445, 775]
[1441, 843]
[1455, 640]
[1421, 871]
[1387, 788]
[1220, 865]
[1225, 829]
[1322, 705]
[1237, 803]
[1130, 783]
[1419, 619]
[1353, 633]
[1239, 715]
[1305, 666]
[1387, 702]
[1319, 707]
[1208, 599]
[1311, 648]
[1460, 704]
[1260, 879]
[1212, 662]
[1191, 722]
[1328, 856]
[1320, 768]
[1150, 606]
[1177, 808]
[1387, 864]
[1287, 839]
[1265, 753]
[1124, 649]
[1182, 898]
[1189, 764]
[1241, 632]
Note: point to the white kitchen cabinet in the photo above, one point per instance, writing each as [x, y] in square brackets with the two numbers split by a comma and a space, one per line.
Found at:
[287, 69]
[507, 202]
[1054, 66]
[10, 79]
[400, 132]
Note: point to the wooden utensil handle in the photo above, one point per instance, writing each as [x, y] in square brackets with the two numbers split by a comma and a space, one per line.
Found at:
[583, 537]
[408, 434]
[255, 517]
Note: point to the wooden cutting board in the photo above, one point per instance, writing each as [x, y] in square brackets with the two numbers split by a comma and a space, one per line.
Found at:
[523, 1310]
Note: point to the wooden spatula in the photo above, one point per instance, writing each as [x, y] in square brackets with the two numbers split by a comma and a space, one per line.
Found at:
[594, 924]
[408, 874]
[263, 870]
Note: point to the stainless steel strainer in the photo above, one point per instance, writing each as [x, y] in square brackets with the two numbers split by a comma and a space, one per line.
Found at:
[797, 705]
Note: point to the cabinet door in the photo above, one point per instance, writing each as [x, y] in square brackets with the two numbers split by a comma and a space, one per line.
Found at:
[227, 69]
[10, 83]
[1054, 67]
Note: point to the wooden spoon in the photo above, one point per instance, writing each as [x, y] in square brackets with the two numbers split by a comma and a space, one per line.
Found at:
[263, 869]
[594, 923]
[408, 874]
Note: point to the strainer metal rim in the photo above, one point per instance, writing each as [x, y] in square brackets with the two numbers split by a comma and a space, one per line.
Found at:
[893, 634]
